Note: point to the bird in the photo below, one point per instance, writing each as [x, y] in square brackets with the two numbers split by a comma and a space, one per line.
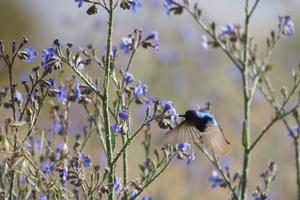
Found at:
[201, 126]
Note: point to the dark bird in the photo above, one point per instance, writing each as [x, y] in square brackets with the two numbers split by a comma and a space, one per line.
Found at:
[201, 126]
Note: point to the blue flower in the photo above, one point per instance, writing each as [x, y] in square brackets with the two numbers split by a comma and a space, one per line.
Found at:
[294, 131]
[43, 197]
[18, 96]
[226, 31]
[184, 146]
[52, 82]
[214, 179]
[77, 92]
[191, 157]
[31, 54]
[167, 5]
[118, 185]
[126, 44]
[154, 37]
[79, 65]
[174, 116]
[124, 113]
[287, 27]
[128, 77]
[86, 161]
[80, 2]
[116, 128]
[140, 90]
[47, 55]
[133, 193]
[146, 198]
[47, 166]
[58, 128]
[204, 42]
[65, 175]
[135, 4]
[62, 94]
[167, 106]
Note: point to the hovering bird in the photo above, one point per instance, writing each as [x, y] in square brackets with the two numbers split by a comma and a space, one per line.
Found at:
[201, 126]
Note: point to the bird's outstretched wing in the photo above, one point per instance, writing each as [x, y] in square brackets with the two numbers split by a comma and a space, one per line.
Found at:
[184, 132]
[214, 141]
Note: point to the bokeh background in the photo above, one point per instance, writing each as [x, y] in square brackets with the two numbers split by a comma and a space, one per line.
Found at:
[181, 71]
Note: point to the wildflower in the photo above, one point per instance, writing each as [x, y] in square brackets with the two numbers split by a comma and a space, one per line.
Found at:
[133, 193]
[86, 161]
[43, 197]
[77, 92]
[128, 77]
[79, 65]
[151, 41]
[204, 42]
[184, 146]
[226, 31]
[140, 90]
[135, 4]
[146, 198]
[294, 132]
[286, 26]
[31, 54]
[123, 113]
[214, 179]
[62, 94]
[116, 128]
[52, 82]
[126, 44]
[167, 106]
[191, 157]
[118, 185]
[80, 2]
[167, 5]
[58, 128]
[65, 175]
[47, 55]
[18, 96]
[174, 116]
[47, 166]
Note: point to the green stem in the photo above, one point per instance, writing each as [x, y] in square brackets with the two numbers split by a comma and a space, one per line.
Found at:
[106, 113]
[247, 103]
[297, 160]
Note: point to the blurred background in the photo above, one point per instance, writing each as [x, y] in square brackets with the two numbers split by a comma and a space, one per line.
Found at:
[182, 72]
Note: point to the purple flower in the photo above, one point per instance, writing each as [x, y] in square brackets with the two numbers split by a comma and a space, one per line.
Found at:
[62, 94]
[128, 77]
[294, 131]
[287, 27]
[52, 82]
[43, 197]
[133, 193]
[140, 90]
[126, 44]
[204, 42]
[123, 113]
[18, 96]
[214, 179]
[86, 161]
[184, 146]
[191, 157]
[116, 128]
[154, 37]
[167, 5]
[47, 55]
[58, 128]
[79, 65]
[146, 198]
[174, 116]
[118, 185]
[167, 106]
[80, 2]
[226, 31]
[77, 92]
[47, 166]
[135, 4]
[65, 175]
[31, 54]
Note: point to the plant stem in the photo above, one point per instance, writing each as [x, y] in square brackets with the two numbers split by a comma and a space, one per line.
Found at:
[247, 103]
[106, 113]
[297, 160]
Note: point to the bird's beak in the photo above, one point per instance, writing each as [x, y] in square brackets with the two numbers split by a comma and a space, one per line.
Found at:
[181, 115]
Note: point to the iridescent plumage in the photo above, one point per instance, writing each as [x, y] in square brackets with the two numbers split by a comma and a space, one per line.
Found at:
[201, 126]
